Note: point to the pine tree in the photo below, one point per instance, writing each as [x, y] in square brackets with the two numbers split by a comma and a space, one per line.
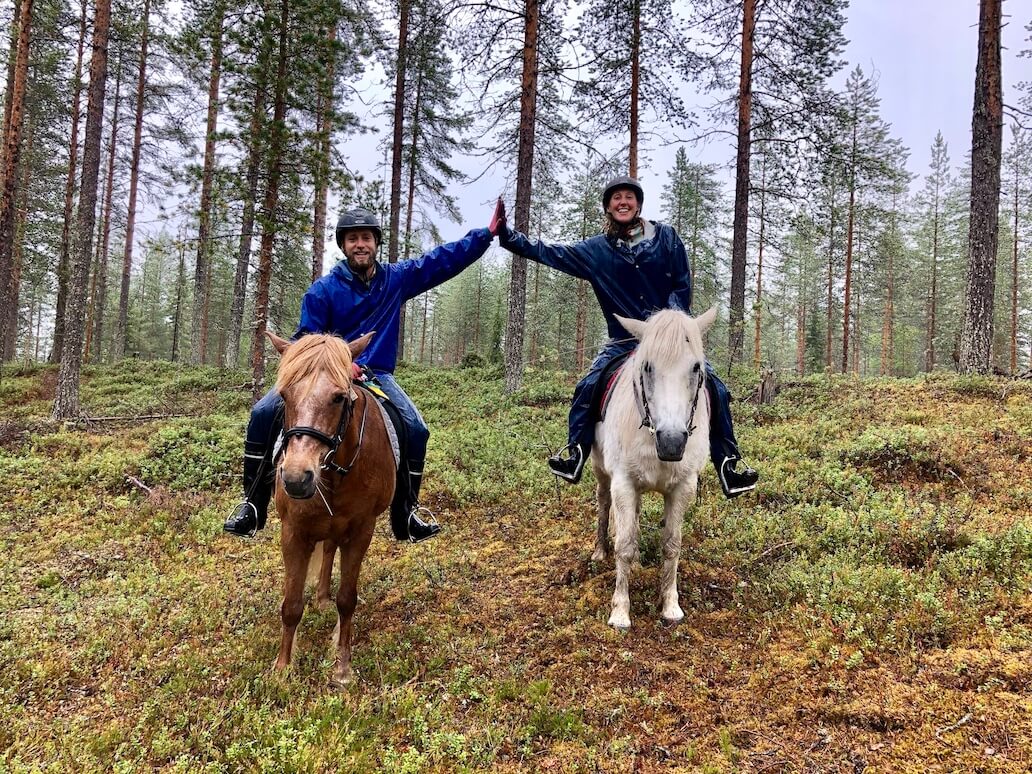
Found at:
[66, 403]
[986, 144]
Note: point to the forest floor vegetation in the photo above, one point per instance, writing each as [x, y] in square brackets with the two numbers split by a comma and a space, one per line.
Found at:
[868, 607]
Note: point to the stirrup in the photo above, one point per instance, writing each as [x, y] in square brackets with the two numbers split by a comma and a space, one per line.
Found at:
[430, 521]
[747, 478]
[561, 466]
[239, 516]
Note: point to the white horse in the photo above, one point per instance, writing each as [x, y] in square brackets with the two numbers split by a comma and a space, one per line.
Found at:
[655, 438]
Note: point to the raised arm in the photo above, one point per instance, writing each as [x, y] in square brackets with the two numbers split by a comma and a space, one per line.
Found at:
[570, 259]
[442, 263]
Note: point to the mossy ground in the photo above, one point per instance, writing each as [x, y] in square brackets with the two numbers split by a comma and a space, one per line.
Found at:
[868, 608]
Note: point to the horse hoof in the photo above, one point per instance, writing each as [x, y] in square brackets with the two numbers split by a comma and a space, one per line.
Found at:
[323, 603]
[622, 625]
[599, 555]
[341, 683]
[672, 622]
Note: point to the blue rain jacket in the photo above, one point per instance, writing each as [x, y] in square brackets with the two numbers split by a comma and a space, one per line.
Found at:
[628, 281]
[342, 304]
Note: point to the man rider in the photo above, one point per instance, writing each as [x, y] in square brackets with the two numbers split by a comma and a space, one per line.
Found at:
[636, 267]
[360, 295]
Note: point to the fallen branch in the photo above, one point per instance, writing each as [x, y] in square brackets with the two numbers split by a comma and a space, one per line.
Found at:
[136, 418]
[953, 726]
[139, 484]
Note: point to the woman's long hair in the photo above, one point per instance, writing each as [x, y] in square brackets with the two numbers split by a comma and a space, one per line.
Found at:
[615, 231]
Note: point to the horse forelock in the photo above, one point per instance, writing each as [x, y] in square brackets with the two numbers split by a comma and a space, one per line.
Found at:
[313, 355]
[671, 336]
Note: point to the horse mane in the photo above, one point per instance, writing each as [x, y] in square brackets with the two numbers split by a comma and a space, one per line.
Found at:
[313, 354]
[670, 335]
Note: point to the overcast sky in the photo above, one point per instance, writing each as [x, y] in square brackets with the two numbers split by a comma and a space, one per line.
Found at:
[922, 51]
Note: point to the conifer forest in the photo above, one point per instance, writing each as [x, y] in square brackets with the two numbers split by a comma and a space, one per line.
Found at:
[852, 184]
[172, 175]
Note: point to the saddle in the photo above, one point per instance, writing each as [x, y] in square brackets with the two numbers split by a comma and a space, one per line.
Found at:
[604, 385]
[396, 430]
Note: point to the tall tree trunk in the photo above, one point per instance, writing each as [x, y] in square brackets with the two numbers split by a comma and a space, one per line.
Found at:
[122, 326]
[740, 237]
[1014, 275]
[400, 74]
[14, 119]
[888, 323]
[521, 214]
[69, 200]
[66, 403]
[202, 267]
[933, 288]
[635, 89]
[178, 316]
[759, 267]
[12, 68]
[976, 341]
[100, 299]
[322, 180]
[269, 206]
[831, 283]
[10, 345]
[846, 299]
[243, 262]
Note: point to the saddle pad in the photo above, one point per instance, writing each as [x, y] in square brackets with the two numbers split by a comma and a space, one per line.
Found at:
[389, 423]
[604, 387]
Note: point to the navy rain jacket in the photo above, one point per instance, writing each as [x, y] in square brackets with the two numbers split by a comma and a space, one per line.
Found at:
[342, 304]
[628, 281]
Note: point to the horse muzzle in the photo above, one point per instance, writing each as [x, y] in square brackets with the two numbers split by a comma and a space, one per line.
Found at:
[670, 445]
[299, 487]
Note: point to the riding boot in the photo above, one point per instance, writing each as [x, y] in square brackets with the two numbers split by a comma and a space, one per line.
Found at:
[735, 481]
[251, 514]
[570, 467]
[405, 511]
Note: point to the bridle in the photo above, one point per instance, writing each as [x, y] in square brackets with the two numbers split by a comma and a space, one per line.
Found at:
[347, 412]
[641, 398]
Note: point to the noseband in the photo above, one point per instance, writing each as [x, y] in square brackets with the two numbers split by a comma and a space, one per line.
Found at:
[346, 415]
[642, 399]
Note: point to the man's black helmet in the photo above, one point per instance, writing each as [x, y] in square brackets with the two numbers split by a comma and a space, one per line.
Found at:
[359, 217]
[623, 181]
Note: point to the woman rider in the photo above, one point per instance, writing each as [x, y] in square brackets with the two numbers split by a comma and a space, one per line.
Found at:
[636, 267]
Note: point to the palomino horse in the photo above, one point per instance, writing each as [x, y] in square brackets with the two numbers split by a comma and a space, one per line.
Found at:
[655, 438]
[336, 446]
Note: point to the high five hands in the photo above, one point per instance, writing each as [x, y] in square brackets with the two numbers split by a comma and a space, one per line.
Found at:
[497, 224]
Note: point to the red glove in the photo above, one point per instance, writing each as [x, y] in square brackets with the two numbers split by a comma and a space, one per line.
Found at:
[356, 372]
[498, 218]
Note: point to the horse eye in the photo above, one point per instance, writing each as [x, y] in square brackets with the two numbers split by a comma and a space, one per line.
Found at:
[696, 368]
[647, 368]
[338, 398]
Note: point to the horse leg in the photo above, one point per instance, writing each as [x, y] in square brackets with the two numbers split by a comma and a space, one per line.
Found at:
[673, 518]
[625, 508]
[322, 593]
[295, 561]
[351, 555]
[605, 502]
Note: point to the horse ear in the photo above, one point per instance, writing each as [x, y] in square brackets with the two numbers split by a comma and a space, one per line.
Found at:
[358, 346]
[705, 320]
[277, 342]
[634, 327]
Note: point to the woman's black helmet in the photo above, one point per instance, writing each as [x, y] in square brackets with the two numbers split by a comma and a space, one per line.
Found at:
[352, 220]
[623, 181]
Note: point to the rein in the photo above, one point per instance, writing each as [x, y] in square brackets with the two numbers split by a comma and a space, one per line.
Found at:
[346, 415]
[641, 398]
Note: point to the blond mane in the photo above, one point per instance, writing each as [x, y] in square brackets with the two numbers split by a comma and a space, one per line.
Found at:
[314, 354]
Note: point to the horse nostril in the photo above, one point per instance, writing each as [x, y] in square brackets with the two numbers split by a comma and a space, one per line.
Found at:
[309, 476]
